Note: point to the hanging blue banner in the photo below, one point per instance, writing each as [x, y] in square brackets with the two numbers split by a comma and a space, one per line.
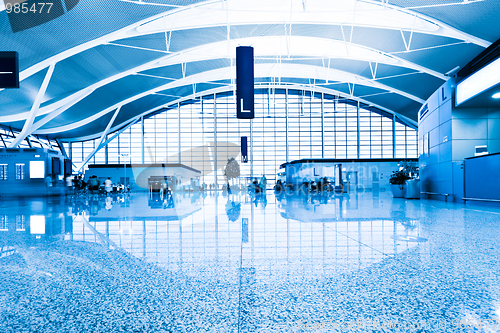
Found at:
[9, 70]
[244, 149]
[244, 82]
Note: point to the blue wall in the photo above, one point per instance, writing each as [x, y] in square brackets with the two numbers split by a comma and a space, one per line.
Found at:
[482, 177]
[453, 134]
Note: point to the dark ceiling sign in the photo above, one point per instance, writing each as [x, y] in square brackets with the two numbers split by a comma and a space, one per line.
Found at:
[244, 82]
[31, 13]
[9, 70]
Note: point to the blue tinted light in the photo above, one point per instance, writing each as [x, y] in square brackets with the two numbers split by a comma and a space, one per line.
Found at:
[478, 82]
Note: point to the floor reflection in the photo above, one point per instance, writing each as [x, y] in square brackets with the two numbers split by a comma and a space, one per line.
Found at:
[244, 262]
[354, 228]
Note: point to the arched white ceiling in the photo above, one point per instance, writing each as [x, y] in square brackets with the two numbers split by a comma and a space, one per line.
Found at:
[348, 13]
[261, 71]
[363, 43]
[272, 48]
[362, 13]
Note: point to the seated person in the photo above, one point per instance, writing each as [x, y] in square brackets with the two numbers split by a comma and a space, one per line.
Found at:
[93, 183]
[108, 185]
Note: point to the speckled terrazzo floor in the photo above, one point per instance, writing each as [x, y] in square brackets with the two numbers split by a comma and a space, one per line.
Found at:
[203, 263]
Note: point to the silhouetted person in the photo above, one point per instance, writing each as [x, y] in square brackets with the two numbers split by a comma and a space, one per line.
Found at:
[49, 181]
[255, 186]
[279, 186]
[81, 182]
[93, 183]
[69, 180]
[108, 185]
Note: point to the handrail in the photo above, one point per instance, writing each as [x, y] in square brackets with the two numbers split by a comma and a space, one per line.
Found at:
[478, 199]
[445, 194]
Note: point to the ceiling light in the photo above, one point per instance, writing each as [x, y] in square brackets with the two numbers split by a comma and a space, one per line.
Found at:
[497, 95]
[482, 80]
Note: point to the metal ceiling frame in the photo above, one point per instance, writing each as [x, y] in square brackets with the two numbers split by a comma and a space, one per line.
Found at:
[181, 18]
[267, 70]
[200, 94]
[28, 125]
[223, 17]
[131, 31]
[202, 53]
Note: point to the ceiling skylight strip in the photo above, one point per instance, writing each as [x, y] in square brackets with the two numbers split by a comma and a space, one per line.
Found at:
[465, 2]
[478, 82]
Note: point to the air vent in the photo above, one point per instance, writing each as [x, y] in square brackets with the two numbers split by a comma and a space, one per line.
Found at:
[483, 59]
[29, 150]
[12, 150]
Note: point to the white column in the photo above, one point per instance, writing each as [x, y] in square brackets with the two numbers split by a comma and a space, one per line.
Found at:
[106, 158]
[251, 147]
[286, 123]
[393, 136]
[215, 141]
[179, 128]
[98, 146]
[142, 140]
[357, 114]
[27, 128]
[323, 126]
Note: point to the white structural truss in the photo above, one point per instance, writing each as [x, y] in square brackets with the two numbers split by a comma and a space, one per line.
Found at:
[264, 70]
[27, 129]
[282, 54]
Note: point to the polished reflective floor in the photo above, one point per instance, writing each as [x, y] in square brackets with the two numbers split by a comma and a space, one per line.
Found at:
[358, 262]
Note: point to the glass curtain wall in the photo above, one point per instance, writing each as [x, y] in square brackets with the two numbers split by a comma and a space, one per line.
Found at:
[289, 125]
[7, 135]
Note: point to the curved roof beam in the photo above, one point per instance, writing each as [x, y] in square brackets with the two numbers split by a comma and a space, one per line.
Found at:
[312, 47]
[261, 70]
[50, 108]
[363, 13]
[318, 11]
[317, 89]
[118, 34]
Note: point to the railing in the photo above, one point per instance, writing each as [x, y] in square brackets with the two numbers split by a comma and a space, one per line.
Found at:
[446, 195]
[479, 199]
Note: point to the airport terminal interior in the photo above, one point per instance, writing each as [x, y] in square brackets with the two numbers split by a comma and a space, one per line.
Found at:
[249, 166]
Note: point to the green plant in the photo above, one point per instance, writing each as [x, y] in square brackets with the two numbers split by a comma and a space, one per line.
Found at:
[232, 169]
[399, 177]
[407, 170]
[410, 168]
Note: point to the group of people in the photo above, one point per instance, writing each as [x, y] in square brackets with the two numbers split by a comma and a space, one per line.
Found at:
[306, 186]
[77, 182]
[160, 187]
[93, 185]
[258, 186]
[58, 181]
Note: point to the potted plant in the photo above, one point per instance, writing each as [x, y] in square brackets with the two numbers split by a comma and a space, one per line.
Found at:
[408, 170]
[412, 184]
[232, 171]
[397, 181]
